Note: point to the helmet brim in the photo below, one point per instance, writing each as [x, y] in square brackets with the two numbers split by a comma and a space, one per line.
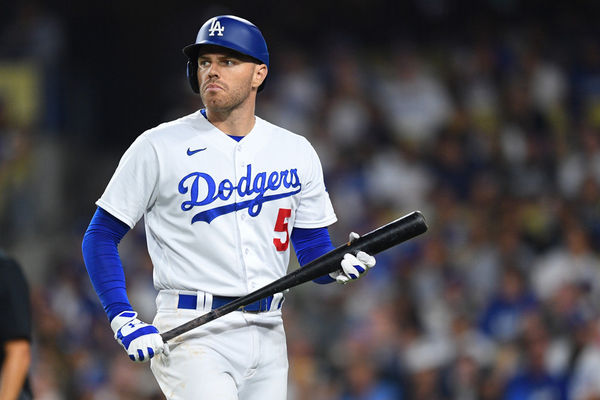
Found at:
[192, 50]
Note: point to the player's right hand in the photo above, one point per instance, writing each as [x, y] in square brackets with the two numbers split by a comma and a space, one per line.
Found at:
[141, 340]
[353, 266]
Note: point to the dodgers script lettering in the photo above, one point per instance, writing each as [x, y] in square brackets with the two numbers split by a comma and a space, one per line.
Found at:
[260, 184]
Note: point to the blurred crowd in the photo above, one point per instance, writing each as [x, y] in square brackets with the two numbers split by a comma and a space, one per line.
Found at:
[495, 138]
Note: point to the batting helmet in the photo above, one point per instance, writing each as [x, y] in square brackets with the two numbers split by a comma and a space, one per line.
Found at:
[231, 32]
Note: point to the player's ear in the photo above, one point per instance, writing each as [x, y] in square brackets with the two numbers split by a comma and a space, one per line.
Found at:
[260, 73]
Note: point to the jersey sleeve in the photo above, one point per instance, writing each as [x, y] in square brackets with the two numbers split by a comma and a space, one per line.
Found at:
[315, 209]
[132, 189]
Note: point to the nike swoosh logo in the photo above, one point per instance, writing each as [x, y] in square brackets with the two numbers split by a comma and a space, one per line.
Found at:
[191, 152]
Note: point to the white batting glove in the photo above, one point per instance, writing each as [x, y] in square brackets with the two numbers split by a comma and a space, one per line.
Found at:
[353, 267]
[141, 340]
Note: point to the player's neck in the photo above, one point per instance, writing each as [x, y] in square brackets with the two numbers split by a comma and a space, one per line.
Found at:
[237, 122]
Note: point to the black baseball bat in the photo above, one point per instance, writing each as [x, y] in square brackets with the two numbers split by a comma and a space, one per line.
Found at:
[374, 242]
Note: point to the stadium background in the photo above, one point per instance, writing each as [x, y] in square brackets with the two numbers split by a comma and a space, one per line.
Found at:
[484, 115]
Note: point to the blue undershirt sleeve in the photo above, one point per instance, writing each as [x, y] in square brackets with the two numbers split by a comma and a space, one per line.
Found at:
[101, 256]
[310, 244]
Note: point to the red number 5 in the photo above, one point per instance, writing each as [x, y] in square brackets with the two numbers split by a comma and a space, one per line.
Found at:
[281, 225]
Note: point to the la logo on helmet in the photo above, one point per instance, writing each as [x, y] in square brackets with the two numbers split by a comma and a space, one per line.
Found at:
[215, 26]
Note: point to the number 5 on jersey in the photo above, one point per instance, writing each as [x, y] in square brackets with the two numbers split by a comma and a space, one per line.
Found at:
[281, 225]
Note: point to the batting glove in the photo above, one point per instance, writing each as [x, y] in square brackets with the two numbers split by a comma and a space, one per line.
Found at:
[353, 267]
[141, 340]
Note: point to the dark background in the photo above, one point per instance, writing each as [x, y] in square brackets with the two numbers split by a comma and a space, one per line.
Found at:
[121, 64]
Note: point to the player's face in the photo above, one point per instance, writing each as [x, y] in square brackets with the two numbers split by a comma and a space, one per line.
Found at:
[227, 80]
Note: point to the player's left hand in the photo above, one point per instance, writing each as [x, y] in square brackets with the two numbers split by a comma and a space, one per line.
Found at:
[139, 339]
[353, 266]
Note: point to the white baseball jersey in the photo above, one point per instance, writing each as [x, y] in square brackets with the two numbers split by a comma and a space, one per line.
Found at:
[218, 213]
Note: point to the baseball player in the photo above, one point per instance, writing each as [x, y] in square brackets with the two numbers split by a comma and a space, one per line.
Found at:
[223, 193]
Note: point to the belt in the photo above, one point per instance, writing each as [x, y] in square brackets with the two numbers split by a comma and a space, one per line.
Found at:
[190, 302]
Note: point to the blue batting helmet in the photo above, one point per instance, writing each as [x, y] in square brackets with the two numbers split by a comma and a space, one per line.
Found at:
[231, 32]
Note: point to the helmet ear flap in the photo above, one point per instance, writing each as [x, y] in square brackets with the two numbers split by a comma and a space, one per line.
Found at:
[192, 74]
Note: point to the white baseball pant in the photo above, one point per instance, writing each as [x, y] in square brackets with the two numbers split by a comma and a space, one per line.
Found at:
[239, 356]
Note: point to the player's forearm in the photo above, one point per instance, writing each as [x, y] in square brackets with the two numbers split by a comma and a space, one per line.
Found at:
[102, 260]
[310, 244]
[14, 368]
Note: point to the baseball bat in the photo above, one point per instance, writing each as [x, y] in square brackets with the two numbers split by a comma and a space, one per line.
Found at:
[391, 234]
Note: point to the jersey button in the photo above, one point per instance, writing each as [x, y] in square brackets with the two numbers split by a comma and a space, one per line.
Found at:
[246, 251]
[243, 217]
